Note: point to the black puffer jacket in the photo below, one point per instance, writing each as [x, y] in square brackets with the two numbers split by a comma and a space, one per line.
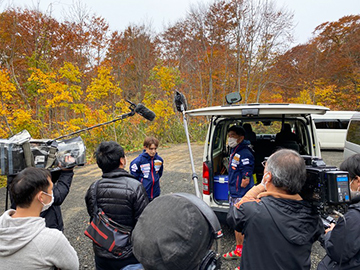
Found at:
[121, 197]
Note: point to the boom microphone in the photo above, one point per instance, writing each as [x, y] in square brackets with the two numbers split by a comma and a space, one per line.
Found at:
[144, 112]
[180, 101]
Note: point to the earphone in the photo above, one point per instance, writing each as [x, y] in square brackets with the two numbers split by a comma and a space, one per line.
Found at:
[210, 261]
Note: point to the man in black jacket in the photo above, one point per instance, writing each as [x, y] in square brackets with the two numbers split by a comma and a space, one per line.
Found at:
[279, 226]
[121, 196]
[342, 241]
[53, 216]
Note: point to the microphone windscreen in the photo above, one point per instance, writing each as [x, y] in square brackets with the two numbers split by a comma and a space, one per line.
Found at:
[144, 112]
[180, 101]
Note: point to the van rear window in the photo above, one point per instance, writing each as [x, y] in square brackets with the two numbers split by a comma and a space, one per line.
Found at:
[353, 132]
[331, 123]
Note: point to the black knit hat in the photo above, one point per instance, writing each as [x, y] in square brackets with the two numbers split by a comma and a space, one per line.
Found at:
[171, 234]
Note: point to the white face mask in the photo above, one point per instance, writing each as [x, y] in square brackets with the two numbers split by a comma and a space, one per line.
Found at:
[47, 206]
[354, 194]
[232, 142]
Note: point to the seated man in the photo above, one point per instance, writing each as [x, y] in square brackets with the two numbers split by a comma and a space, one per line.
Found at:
[276, 222]
[25, 241]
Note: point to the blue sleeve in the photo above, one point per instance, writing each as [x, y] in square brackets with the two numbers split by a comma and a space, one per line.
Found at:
[162, 167]
[247, 165]
[135, 168]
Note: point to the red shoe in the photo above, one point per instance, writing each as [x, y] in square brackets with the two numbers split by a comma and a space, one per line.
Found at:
[237, 268]
[232, 255]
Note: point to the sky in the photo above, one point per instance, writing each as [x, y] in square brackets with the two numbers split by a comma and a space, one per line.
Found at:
[121, 13]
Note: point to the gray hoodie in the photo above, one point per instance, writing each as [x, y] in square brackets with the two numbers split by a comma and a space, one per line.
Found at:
[25, 243]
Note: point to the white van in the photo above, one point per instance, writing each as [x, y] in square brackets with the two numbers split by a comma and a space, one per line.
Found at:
[331, 128]
[352, 141]
[266, 121]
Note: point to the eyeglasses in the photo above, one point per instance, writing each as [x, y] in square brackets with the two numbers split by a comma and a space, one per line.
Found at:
[263, 163]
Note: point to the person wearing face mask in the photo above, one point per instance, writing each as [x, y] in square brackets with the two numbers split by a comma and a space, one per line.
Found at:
[120, 195]
[25, 241]
[279, 226]
[240, 179]
[61, 188]
[342, 241]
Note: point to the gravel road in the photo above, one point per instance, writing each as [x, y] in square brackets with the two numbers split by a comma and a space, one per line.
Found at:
[176, 178]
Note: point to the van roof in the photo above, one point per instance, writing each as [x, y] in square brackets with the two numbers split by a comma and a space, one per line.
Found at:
[356, 115]
[335, 115]
[259, 109]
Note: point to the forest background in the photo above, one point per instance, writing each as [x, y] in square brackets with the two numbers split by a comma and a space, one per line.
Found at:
[57, 77]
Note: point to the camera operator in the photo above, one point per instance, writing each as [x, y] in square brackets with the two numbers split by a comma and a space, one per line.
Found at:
[61, 188]
[278, 225]
[342, 241]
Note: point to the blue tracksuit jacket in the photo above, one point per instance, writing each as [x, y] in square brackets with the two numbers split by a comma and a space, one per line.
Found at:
[241, 164]
[148, 171]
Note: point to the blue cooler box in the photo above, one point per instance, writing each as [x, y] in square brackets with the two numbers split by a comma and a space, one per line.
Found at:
[221, 187]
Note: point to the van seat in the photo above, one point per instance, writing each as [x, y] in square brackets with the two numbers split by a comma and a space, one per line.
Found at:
[289, 145]
[263, 149]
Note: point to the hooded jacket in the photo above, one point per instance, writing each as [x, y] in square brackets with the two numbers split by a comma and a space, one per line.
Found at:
[148, 171]
[241, 165]
[25, 243]
[342, 244]
[53, 216]
[279, 232]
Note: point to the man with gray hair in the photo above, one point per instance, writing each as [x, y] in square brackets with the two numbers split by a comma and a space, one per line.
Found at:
[278, 225]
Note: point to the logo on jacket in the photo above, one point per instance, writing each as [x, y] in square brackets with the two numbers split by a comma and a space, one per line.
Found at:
[157, 165]
[245, 161]
[134, 167]
[145, 169]
[235, 161]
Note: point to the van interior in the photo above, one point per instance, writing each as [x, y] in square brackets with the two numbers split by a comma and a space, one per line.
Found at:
[266, 136]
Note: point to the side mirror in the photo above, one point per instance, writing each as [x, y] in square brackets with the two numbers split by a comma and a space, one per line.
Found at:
[233, 98]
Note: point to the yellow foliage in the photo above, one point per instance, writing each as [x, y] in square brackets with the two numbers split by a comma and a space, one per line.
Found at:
[70, 72]
[304, 98]
[164, 112]
[7, 88]
[54, 93]
[103, 86]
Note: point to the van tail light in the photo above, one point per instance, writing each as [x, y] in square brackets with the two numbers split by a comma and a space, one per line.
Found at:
[206, 188]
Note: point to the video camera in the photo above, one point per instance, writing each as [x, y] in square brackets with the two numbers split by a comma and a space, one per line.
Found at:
[326, 187]
[21, 151]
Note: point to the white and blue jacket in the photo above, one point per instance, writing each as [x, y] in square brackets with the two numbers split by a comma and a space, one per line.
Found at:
[148, 171]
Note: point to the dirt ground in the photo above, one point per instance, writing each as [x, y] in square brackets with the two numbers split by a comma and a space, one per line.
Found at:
[177, 177]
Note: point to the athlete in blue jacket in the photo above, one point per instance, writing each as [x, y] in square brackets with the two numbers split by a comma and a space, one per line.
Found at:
[148, 167]
[241, 167]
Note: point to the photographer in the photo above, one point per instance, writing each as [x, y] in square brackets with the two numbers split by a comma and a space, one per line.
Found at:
[342, 241]
[278, 225]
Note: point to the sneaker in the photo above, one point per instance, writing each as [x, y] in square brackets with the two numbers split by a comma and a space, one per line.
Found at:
[232, 255]
[237, 268]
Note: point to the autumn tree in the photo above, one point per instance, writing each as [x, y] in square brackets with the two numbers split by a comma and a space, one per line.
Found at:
[132, 54]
